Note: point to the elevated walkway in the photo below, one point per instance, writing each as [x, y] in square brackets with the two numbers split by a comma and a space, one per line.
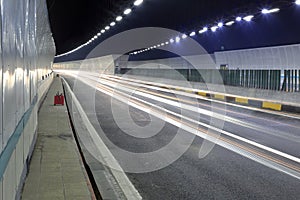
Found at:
[56, 170]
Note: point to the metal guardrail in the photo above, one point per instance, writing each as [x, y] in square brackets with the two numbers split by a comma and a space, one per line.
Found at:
[277, 80]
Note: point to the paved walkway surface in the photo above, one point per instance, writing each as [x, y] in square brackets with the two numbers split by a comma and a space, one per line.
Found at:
[56, 170]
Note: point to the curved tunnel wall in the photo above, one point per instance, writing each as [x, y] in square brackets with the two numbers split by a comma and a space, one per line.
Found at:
[273, 68]
[27, 52]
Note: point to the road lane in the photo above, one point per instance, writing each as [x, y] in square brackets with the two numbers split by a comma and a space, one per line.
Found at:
[165, 135]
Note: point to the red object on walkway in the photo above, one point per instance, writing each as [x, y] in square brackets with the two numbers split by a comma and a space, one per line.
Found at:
[59, 100]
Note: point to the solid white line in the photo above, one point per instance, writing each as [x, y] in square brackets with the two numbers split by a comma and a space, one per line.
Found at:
[125, 184]
[249, 155]
[209, 113]
[201, 111]
[139, 82]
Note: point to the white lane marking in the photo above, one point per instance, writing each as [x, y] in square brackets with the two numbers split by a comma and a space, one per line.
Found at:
[209, 113]
[276, 133]
[197, 96]
[204, 112]
[125, 184]
[203, 135]
[132, 81]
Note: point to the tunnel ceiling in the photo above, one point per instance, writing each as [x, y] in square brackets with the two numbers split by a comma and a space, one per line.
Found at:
[75, 22]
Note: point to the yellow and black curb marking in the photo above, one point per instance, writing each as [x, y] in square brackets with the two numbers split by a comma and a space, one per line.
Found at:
[264, 104]
[243, 100]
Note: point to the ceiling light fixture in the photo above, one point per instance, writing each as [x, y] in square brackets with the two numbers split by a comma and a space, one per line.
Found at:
[138, 2]
[229, 23]
[192, 33]
[266, 11]
[127, 11]
[203, 30]
[214, 28]
[238, 19]
[248, 18]
[119, 18]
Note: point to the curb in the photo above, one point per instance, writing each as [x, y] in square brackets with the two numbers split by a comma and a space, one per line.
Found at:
[246, 101]
[263, 104]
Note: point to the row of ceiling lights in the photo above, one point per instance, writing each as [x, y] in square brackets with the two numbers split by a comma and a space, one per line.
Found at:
[212, 29]
[119, 18]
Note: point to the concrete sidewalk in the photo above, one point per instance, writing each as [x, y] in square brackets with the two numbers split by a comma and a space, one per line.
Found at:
[56, 170]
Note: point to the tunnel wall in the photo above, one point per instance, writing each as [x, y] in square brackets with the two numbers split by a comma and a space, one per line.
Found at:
[27, 52]
[105, 64]
[271, 68]
[279, 57]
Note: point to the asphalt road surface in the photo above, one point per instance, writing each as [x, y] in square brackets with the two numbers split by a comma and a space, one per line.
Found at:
[256, 155]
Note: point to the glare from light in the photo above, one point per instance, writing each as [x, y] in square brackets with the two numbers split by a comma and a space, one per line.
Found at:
[214, 28]
[297, 2]
[166, 43]
[158, 45]
[119, 18]
[138, 2]
[184, 36]
[98, 34]
[220, 24]
[127, 11]
[112, 24]
[229, 23]
[192, 34]
[162, 44]
[107, 28]
[102, 31]
[177, 39]
[248, 18]
[238, 19]
[172, 41]
[203, 30]
[266, 11]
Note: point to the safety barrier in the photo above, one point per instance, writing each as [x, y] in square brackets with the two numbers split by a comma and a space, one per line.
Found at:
[277, 80]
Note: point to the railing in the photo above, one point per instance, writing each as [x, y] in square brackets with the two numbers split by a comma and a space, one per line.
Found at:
[278, 80]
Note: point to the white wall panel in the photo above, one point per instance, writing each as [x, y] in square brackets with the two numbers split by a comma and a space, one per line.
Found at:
[1, 88]
[1, 190]
[9, 179]
[105, 64]
[9, 67]
[27, 50]
[19, 159]
[187, 62]
[281, 57]
[296, 55]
